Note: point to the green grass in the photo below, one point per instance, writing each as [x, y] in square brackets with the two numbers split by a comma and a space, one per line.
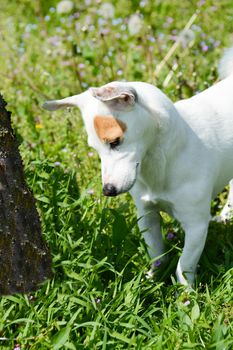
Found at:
[99, 297]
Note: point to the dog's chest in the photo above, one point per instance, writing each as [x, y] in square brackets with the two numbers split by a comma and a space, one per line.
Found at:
[159, 200]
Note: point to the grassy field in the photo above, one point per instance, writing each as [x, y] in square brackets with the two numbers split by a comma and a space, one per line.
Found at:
[99, 297]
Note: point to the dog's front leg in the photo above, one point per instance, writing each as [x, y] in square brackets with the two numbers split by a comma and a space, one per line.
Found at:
[195, 237]
[149, 225]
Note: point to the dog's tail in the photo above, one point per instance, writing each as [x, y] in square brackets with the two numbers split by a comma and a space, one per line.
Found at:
[225, 67]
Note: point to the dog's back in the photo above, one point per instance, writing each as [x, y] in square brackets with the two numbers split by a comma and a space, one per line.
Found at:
[210, 115]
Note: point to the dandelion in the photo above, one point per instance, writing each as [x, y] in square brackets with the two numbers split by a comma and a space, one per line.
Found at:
[90, 191]
[90, 154]
[135, 24]
[65, 6]
[186, 37]
[107, 10]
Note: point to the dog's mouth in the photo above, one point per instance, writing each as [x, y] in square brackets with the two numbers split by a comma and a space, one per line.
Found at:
[111, 190]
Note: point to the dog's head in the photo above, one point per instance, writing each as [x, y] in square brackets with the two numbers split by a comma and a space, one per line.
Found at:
[119, 127]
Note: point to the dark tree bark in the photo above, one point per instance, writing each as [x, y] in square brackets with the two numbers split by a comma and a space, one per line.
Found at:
[24, 257]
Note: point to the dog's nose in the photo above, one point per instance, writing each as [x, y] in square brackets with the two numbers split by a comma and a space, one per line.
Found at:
[109, 190]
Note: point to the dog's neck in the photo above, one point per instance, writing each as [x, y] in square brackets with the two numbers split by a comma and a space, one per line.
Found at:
[170, 137]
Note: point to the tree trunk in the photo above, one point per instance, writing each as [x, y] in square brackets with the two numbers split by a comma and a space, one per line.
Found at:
[24, 257]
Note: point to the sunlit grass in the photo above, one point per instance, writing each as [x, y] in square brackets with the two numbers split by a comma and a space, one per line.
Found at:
[99, 297]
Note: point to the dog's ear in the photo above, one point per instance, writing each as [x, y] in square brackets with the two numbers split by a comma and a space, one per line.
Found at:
[118, 97]
[71, 101]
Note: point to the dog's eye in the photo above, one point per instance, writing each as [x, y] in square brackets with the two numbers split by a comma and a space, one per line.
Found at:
[115, 143]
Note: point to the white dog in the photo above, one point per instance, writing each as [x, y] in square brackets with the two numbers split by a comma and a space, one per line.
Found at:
[171, 157]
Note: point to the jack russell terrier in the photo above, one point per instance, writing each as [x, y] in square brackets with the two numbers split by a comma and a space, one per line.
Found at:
[172, 157]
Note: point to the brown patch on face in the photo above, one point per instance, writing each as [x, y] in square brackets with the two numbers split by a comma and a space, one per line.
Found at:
[109, 128]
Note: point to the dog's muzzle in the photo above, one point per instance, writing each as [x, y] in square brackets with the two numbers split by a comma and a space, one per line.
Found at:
[109, 190]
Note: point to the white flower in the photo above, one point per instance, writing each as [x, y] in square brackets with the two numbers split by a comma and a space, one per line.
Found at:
[186, 302]
[107, 10]
[65, 6]
[187, 37]
[135, 24]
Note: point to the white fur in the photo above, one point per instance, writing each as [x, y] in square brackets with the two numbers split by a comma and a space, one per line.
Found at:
[174, 158]
[225, 66]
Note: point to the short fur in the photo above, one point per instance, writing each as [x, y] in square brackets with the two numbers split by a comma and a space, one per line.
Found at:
[173, 157]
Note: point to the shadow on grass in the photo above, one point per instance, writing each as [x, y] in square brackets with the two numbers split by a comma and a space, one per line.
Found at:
[217, 257]
[111, 233]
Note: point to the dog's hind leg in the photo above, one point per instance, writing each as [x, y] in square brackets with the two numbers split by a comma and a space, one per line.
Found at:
[227, 211]
[195, 237]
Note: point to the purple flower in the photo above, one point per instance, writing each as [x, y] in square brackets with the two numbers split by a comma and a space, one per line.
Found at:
[17, 347]
[65, 63]
[201, 3]
[169, 19]
[213, 8]
[76, 15]
[216, 43]
[57, 164]
[205, 48]
[54, 40]
[150, 38]
[170, 236]
[157, 263]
